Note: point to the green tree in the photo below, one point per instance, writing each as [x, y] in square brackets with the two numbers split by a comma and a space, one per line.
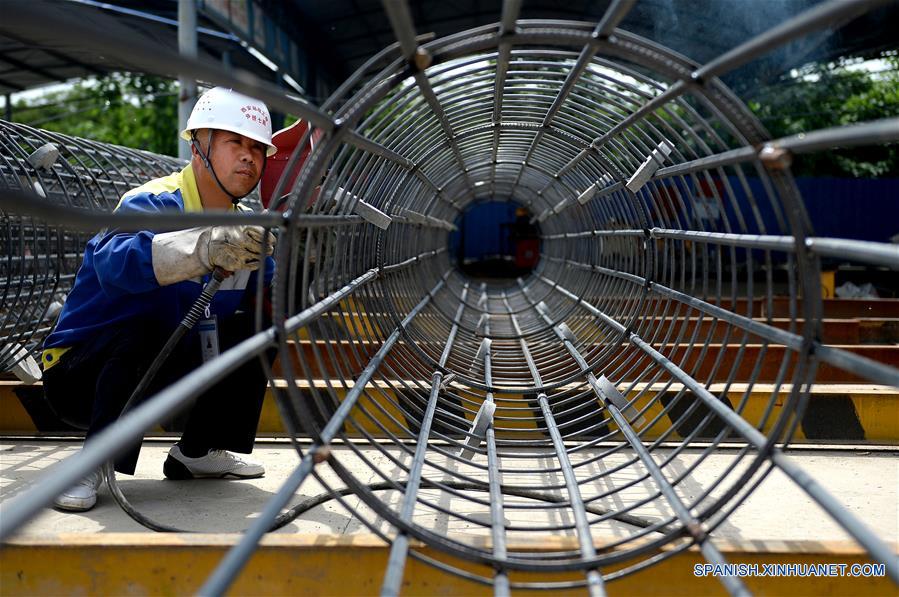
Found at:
[828, 95]
[130, 109]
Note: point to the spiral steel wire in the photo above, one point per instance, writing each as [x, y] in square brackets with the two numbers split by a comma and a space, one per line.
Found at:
[651, 302]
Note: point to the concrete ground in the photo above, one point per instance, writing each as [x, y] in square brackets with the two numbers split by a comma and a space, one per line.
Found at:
[866, 482]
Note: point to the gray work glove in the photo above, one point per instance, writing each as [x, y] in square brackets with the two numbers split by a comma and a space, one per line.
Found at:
[185, 254]
[234, 248]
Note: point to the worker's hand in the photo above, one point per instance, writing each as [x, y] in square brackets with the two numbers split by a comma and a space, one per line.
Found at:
[185, 254]
[235, 248]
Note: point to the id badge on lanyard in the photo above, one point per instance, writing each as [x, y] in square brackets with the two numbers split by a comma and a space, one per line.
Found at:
[209, 336]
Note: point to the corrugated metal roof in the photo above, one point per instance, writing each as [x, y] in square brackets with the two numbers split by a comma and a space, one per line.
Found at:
[339, 35]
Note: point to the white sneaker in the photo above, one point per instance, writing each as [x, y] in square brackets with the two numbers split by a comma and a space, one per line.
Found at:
[217, 464]
[81, 496]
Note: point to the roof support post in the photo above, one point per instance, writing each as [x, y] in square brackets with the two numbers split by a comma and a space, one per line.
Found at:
[187, 46]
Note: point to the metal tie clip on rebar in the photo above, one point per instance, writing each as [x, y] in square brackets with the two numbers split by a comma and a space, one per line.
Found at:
[640, 312]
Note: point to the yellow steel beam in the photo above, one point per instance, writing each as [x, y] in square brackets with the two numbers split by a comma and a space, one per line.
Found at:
[285, 564]
[380, 407]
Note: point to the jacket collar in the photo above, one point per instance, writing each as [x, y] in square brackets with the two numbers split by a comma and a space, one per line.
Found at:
[189, 192]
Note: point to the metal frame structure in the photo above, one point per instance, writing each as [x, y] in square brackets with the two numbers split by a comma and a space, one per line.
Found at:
[40, 261]
[606, 137]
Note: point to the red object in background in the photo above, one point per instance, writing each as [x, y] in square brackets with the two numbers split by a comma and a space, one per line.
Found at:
[286, 141]
[527, 252]
[705, 189]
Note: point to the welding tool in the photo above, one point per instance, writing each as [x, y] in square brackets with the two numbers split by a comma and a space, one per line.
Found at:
[198, 310]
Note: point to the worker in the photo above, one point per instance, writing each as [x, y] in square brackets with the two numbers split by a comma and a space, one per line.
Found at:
[133, 289]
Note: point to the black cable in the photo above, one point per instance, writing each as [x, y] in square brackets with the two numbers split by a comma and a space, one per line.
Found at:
[285, 518]
[307, 504]
[190, 320]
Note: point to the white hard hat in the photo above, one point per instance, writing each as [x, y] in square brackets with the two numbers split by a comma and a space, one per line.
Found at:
[227, 110]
